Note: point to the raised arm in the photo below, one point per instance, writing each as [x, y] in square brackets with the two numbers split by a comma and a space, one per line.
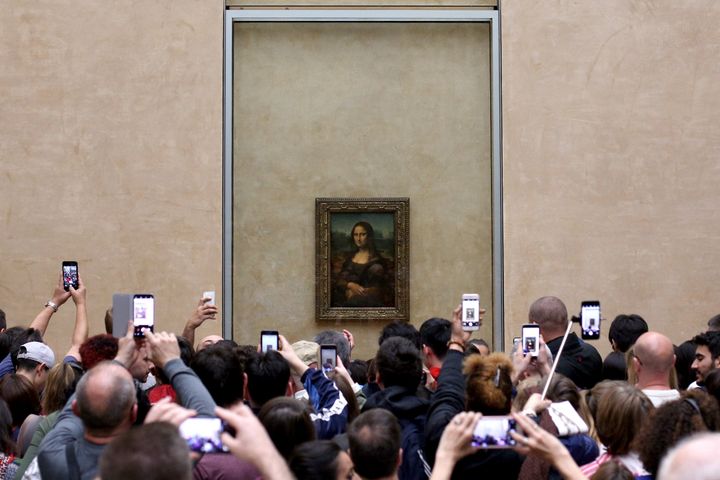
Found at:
[80, 332]
[202, 312]
[57, 299]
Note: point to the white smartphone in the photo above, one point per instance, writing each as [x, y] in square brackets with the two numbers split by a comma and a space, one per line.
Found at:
[590, 319]
[211, 295]
[470, 312]
[269, 340]
[143, 314]
[531, 339]
[494, 432]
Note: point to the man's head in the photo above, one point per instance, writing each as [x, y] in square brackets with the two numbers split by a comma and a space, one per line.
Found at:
[714, 324]
[695, 457]
[374, 439]
[331, 337]
[33, 361]
[653, 360]
[398, 363]
[154, 451]
[3, 321]
[207, 341]
[400, 329]
[105, 400]
[268, 376]
[625, 330]
[220, 371]
[435, 335]
[550, 313]
[707, 354]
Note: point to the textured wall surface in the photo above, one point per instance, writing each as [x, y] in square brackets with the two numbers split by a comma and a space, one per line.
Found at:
[359, 110]
[110, 151]
[611, 142]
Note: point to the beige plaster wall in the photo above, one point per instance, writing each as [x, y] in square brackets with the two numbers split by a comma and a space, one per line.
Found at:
[110, 154]
[611, 142]
[359, 110]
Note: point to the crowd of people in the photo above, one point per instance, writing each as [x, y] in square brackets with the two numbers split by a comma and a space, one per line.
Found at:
[431, 404]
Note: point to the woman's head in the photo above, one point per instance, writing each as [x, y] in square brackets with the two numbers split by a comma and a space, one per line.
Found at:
[621, 412]
[7, 444]
[61, 383]
[321, 459]
[362, 235]
[21, 397]
[288, 423]
[673, 421]
[488, 388]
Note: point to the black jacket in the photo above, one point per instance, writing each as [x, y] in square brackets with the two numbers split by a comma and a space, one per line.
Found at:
[580, 362]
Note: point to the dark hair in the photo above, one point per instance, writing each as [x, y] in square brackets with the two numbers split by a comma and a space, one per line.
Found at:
[370, 235]
[374, 439]
[15, 337]
[288, 424]
[399, 328]
[612, 470]
[316, 460]
[713, 324]
[267, 377]
[3, 322]
[711, 340]
[614, 367]
[7, 444]
[219, 369]
[473, 346]
[626, 329]
[98, 348]
[61, 382]
[712, 384]
[358, 370]
[154, 451]
[331, 337]
[488, 388]
[684, 357]
[671, 422]
[103, 417]
[435, 333]
[399, 363]
[245, 353]
[21, 397]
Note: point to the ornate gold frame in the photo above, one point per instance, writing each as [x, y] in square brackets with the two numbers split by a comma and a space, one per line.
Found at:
[324, 209]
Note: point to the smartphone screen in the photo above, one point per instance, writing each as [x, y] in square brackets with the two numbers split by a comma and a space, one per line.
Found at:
[470, 312]
[143, 314]
[211, 295]
[494, 432]
[70, 275]
[590, 319]
[531, 339]
[268, 340]
[328, 357]
[203, 434]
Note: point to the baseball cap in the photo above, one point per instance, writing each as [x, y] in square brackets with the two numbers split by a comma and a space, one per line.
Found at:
[38, 352]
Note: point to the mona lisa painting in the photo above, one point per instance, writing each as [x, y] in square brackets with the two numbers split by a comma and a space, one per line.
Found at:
[361, 267]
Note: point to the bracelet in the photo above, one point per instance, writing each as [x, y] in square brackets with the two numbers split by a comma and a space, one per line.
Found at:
[455, 342]
[52, 305]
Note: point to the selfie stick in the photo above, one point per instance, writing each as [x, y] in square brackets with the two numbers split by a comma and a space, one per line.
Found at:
[557, 359]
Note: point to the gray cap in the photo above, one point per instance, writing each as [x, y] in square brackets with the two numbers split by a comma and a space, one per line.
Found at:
[38, 352]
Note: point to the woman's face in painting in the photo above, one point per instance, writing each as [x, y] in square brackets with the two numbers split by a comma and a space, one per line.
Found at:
[360, 236]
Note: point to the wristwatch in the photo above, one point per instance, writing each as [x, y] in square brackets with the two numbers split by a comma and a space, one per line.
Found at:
[52, 305]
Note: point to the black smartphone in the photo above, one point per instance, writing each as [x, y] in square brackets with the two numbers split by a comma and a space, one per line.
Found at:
[203, 434]
[70, 275]
[328, 357]
[531, 339]
[494, 432]
[269, 340]
[143, 314]
[590, 319]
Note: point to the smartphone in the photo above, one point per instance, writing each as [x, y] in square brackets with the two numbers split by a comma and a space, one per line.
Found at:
[531, 339]
[328, 357]
[494, 432]
[470, 312]
[269, 340]
[590, 319]
[143, 314]
[70, 275]
[203, 434]
[211, 295]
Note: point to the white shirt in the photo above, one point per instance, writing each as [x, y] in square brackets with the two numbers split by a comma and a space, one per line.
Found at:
[658, 397]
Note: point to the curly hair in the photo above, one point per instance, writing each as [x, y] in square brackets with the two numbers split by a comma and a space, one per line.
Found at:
[694, 412]
[488, 388]
[98, 348]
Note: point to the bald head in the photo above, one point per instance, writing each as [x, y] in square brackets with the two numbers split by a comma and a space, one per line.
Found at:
[106, 399]
[695, 457]
[656, 352]
[550, 313]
